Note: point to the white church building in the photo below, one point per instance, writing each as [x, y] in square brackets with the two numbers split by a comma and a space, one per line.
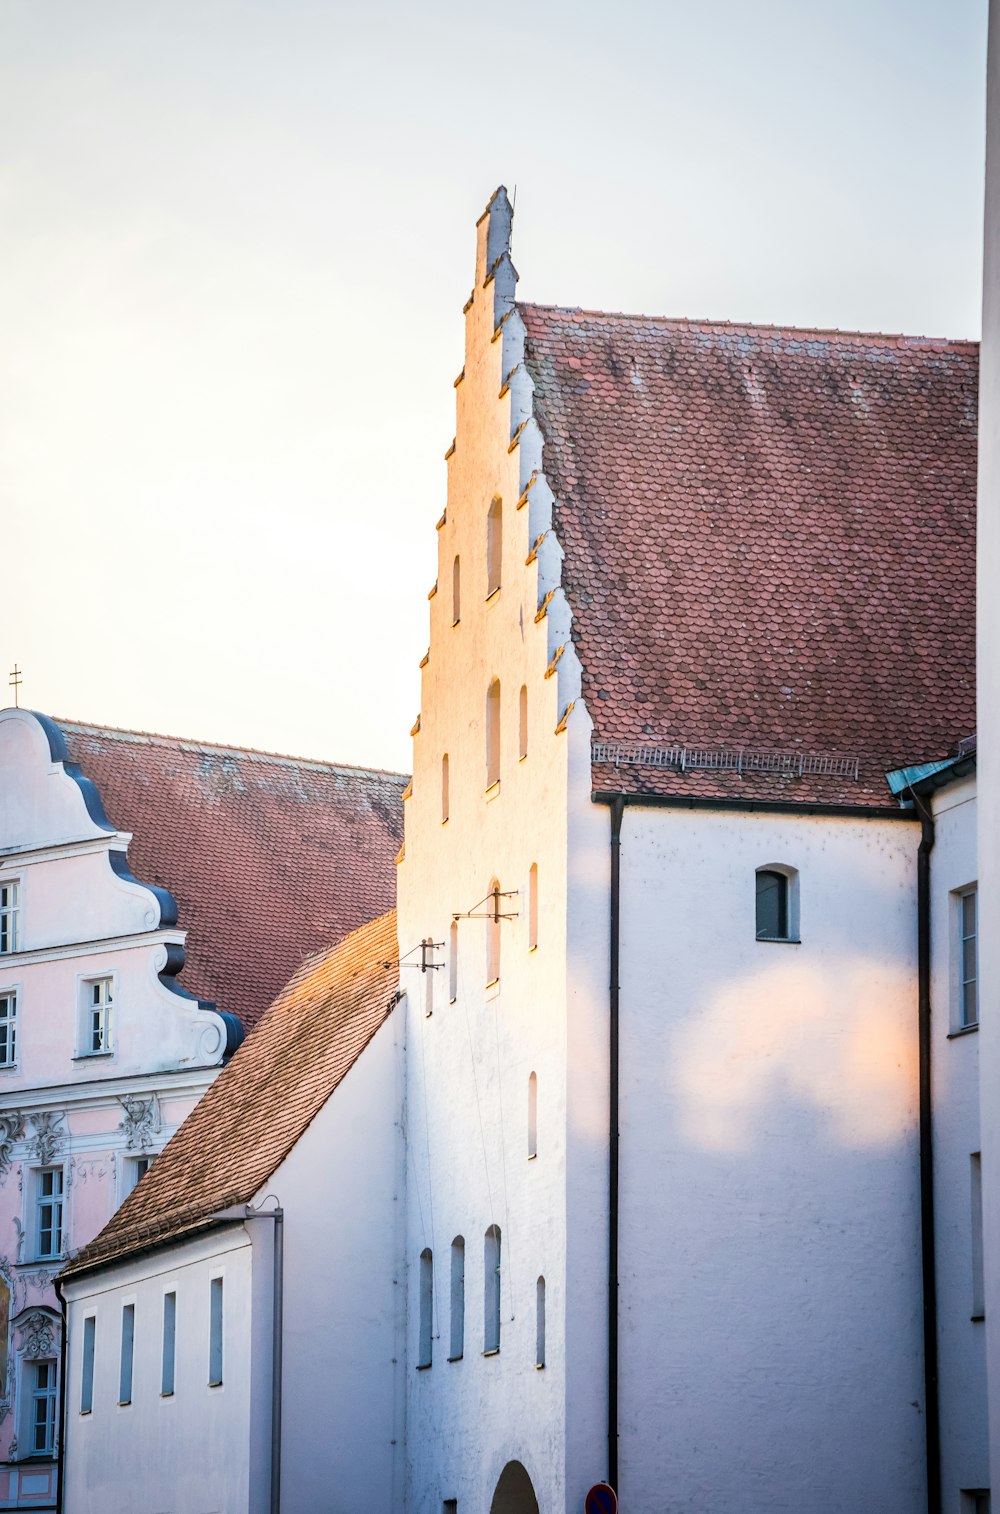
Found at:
[645, 1146]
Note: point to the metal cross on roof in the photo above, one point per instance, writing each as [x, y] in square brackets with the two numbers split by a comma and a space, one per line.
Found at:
[14, 681]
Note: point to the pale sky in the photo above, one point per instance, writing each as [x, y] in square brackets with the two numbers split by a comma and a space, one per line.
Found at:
[236, 240]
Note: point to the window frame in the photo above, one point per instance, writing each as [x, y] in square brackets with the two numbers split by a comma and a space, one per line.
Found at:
[126, 1356]
[49, 1396]
[492, 1287]
[89, 1014]
[456, 1333]
[791, 935]
[88, 1353]
[216, 1331]
[11, 915]
[52, 1201]
[425, 1311]
[960, 1020]
[168, 1343]
[10, 995]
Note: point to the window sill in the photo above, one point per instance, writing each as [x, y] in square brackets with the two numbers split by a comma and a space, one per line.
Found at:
[85, 1413]
[424, 1366]
[532, 948]
[455, 623]
[494, 1352]
[539, 1366]
[92, 1056]
[977, 1319]
[963, 1030]
[167, 1395]
[124, 1403]
[215, 1385]
[493, 594]
[42, 1261]
[523, 757]
[457, 1358]
[445, 820]
[492, 791]
[453, 1001]
[532, 1156]
[492, 990]
[780, 940]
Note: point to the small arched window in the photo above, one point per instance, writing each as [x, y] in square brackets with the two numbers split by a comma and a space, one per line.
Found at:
[493, 733]
[532, 1116]
[777, 904]
[533, 906]
[426, 1342]
[493, 934]
[453, 961]
[457, 1341]
[456, 592]
[522, 724]
[445, 794]
[491, 1290]
[540, 1323]
[494, 546]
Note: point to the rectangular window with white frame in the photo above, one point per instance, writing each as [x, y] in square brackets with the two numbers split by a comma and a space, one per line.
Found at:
[965, 971]
[43, 1408]
[98, 1002]
[8, 1027]
[48, 1212]
[136, 1168]
[10, 916]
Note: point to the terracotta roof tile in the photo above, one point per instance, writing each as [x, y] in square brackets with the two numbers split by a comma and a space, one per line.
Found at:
[270, 858]
[260, 1104]
[770, 541]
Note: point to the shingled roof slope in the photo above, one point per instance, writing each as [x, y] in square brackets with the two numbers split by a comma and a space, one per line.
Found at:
[770, 543]
[246, 1124]
[269, 858]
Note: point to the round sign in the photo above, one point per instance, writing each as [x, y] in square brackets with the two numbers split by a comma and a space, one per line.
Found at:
[602, 1500]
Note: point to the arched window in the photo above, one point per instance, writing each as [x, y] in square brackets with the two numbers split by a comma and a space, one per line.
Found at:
[445, 795]
[456, 592]
[426, 1344]
[533, 907]
[493, 934]
[532, 1116]
[457, 1343]
[491, 1290]
[453, 962]
[540, 1323]
[777, 904]
[493, 733]
[522, 723]
[494, 546]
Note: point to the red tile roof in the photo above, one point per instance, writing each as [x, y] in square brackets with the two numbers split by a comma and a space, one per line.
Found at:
[260, 1104]
[770, 544]
[269, 858]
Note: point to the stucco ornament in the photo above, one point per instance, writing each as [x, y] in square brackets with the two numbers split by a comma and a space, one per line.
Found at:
[36, 1336]
[140, 1121]
[11, 1130]
[46, 1137]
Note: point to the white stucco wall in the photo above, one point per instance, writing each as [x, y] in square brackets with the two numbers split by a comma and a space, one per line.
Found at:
[955, 1081]
[190, 1453]
[342, 1191]
[770, 1268]
[988, 678]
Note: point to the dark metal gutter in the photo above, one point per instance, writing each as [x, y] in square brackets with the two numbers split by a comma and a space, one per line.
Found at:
[755, 806]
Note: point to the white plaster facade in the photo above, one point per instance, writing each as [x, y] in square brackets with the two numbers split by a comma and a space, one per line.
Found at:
[206, 1449]
[87, 1116]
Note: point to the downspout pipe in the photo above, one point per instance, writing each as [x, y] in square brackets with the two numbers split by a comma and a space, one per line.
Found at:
[932, 1419]
[276, 1357]
[617, 815]
[63, 1398]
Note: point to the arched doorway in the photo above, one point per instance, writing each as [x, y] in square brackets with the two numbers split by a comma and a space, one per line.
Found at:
[514, 1494]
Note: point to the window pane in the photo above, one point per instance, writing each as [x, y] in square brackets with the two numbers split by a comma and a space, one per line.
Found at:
[772, 905]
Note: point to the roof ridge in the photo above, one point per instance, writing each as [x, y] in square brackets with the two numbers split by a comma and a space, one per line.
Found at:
[911, 340]
[194, 743]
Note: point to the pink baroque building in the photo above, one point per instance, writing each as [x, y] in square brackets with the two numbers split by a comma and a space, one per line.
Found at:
[103, 1050]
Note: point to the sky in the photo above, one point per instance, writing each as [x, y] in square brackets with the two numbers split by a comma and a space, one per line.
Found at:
[235, 241]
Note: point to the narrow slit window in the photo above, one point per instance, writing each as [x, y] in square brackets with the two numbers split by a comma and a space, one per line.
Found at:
[978, 1275]
[494, 546]
[87, 1381]
[491, 1290]
[522, 722]
[453, 961]
[540, 1323]
[128, 1348]
[532, 1116]
[533, 907]
[493, 923]
[215, 1322]
[969, 959]
[456, 592]
[493, 733]
[169, 1352]
[445, 789]
[456, 1345]
[426, 1342]
[772, 905]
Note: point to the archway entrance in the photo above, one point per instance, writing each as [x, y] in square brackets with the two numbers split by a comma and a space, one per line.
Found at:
[514, 1494]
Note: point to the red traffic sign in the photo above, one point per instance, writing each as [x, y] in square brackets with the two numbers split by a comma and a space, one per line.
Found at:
[601, 1499]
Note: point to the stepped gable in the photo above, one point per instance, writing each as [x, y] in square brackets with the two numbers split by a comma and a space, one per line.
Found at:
[263, 1100]
[770, 545]
[269, 858]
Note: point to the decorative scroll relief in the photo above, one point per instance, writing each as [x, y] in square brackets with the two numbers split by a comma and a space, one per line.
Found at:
[11, 1130]
[46, 1137]
[36, 1336]
[140, 1121]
